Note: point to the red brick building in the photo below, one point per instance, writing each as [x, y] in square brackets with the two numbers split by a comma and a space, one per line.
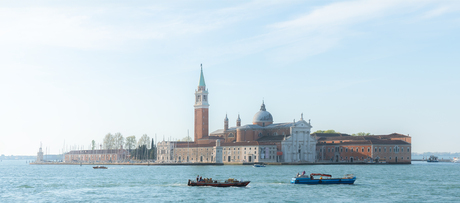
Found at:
[392, 148]
[88, 156]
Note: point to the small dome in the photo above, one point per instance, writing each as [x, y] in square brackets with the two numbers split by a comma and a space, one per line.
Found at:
[263, 115]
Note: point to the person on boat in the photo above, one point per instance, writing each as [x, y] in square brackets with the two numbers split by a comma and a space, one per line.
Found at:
[303, 173]
[311, 177]
[201, 178]
[197, 178]
[298, 174]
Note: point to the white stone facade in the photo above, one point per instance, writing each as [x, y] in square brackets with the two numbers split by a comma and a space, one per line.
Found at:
[300, 146]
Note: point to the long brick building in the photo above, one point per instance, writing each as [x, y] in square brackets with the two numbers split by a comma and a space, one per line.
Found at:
[392, 148]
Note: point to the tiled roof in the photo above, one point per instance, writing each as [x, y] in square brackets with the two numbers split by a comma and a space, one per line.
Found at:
[103, 151]
[330, 134]
[389, 142]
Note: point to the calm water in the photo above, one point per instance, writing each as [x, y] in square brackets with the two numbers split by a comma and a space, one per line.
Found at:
[419, 182]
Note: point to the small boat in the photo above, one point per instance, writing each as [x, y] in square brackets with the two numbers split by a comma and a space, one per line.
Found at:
[432, 159]
[216, 183]
[456, 160]
[323, 179]
[259, 165]
[100, 167]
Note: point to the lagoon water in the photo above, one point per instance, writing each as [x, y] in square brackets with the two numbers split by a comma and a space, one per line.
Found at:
[418, 182]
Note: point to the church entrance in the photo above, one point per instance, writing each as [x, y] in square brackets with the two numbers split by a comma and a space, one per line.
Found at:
[249, 158]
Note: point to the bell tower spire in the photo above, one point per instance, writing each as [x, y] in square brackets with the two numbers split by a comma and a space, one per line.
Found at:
[201, 109]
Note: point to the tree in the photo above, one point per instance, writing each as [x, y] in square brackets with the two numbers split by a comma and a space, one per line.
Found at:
[187, 139]
[109, 141]
[140, 153]
[119, 140]
[130, 142]
[326, 131]
[361, 134]
[144, 140]
[93, 145]
[153, 151]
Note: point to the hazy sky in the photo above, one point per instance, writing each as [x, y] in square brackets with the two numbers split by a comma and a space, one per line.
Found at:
[73, 71]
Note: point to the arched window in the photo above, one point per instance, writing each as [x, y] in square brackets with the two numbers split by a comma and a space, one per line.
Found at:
[231, 135]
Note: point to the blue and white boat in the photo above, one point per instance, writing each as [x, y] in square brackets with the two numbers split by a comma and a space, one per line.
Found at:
[259, 165]
[318, 178]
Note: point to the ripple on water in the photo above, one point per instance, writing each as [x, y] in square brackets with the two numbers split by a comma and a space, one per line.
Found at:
[375, 183]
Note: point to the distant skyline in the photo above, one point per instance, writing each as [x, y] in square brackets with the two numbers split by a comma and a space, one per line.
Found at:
[74, 71]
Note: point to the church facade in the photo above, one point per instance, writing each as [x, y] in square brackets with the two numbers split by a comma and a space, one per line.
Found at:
[261, 141]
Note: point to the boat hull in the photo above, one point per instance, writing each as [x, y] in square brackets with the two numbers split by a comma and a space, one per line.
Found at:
[348, 181]
[219, 184]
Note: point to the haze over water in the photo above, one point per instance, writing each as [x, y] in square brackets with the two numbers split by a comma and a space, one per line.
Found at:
[418, 182]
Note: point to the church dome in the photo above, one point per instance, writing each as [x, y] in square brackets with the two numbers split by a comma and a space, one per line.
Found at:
[263, 116]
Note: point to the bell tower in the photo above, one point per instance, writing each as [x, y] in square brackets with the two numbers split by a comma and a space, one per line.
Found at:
[201, 110]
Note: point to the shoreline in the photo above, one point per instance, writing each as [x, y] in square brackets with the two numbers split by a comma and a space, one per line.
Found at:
[213, 164]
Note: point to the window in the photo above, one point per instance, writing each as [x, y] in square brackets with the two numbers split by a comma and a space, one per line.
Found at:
[320, 150]
[346, 149]
[375, 149]
[368, 149]
[351, 149]
[328, 149]
[255, 152]
[245, 148]
[402, 158]
[204, 97]
[362, 149]
[408, 150]
[341, 149]
[390, 149]
[332, 141]
[249, 148]
[380, 149]
[384, 149]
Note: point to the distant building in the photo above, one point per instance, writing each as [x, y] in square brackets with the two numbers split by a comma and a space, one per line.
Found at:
[88, 156]
[40, 154]
[392, 148]
[261, 141]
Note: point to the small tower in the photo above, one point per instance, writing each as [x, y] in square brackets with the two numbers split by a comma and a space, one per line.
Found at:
[225, 123]
[201, 109]
[40, 154]
[238, 121]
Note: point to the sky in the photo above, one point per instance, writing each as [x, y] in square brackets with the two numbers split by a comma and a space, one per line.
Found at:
[73, 71]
